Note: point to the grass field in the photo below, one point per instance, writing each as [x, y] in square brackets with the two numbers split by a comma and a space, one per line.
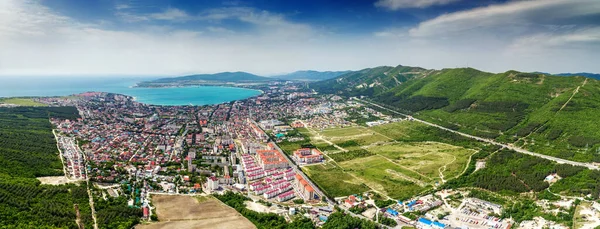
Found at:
[22, 102]
[189, 212]
[401, 164]
[334, 181]
[386, 177]
[427, 157]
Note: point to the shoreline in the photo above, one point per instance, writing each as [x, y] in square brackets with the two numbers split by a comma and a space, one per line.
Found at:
[193, 86]
[137, 97]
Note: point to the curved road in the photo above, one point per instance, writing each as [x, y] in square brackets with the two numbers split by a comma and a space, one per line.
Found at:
[516, 149]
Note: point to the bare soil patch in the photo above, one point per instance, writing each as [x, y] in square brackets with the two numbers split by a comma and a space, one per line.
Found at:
[56, 180]
[188, 212]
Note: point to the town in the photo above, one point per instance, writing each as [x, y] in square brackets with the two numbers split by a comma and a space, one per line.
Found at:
[266, 148]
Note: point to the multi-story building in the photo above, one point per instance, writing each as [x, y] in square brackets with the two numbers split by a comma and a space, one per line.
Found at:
[213, 183]
[270, 159]
[305, 190]
[308, 156]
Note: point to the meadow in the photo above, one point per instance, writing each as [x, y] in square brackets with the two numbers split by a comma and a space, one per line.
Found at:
[397, 160]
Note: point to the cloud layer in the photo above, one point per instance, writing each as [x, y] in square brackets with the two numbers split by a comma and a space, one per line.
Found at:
[548, 35]
[402, 4]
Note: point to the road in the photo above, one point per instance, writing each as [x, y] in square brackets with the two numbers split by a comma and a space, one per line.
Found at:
[320, 193]
[516, 149]
[87, 181]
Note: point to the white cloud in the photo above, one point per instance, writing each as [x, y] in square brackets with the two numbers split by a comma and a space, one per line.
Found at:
[35, 40]
[171, 14]
[577, 38]
[38, 41]
[402, 4]
[513, 14]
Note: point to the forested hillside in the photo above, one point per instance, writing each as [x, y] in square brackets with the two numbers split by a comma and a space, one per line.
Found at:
[510, 172]
[553, 115]
[28, 150]
[370, 81]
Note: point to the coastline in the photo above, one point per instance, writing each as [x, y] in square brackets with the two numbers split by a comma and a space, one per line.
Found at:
[157, 97]
[197, 86]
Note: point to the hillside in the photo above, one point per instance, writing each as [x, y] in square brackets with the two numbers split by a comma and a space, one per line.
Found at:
[311, 75]
[547, 114]
[206, 79]
[370, 81]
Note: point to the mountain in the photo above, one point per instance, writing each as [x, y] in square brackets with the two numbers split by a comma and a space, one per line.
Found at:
[548, 114]
[311, 75]
[206, 79]
[370, 81]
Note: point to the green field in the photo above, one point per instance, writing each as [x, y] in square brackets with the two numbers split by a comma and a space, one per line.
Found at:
[334, 181]
[427, 158]
[22, 102]
[398, 160]
[386, 177]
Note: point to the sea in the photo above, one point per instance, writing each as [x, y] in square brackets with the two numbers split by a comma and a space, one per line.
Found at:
[64, 86]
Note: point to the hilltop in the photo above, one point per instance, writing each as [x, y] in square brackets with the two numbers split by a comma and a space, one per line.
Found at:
[553, 115]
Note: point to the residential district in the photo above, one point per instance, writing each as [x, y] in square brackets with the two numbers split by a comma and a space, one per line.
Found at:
[137, 150]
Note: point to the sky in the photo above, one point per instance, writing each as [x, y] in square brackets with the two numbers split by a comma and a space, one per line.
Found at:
[268, 37]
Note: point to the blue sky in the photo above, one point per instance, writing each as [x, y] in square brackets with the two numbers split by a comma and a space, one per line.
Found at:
[174, 37]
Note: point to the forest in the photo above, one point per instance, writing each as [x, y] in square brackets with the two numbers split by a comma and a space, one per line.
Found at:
[28, 150]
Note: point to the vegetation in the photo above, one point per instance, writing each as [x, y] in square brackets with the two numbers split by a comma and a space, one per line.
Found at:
[387, 221]
[509, 172]
[261, 220]
[357, 209]
[114, 213]
[384, 203]
[28, 150]
[512, 107]
[339, 220]
[334, 181]
[346, 156]
[521, 211]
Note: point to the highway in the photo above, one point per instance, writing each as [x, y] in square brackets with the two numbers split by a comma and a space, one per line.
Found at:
[516, 149]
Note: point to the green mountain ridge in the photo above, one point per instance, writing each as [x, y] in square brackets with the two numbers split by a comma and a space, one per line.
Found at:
[542, 113]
